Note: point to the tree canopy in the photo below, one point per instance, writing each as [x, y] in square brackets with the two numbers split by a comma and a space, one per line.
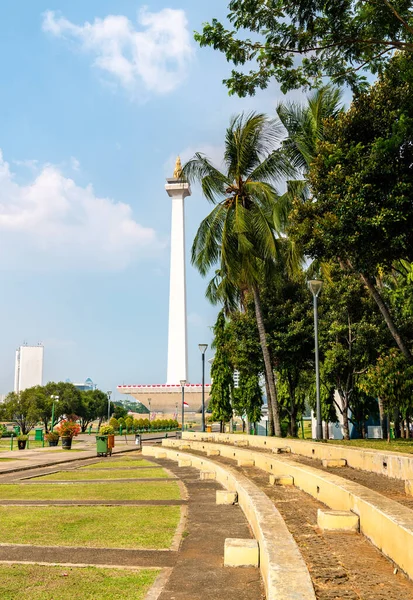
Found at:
[300, 42]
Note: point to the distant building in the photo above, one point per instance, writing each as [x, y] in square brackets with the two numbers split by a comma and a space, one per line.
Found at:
[28, 370]
[236, 379]
[85, 386]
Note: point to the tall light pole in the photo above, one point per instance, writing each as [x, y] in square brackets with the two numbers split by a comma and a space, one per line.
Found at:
[203, 348]
[54, 398]
[109, 395]
[315, 286]
[183, 382]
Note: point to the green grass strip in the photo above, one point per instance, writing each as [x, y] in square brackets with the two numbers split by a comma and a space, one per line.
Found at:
[146, 490]
[39, 582]
[79, 475]
[116, 463]
[90, 526]
[382, 445]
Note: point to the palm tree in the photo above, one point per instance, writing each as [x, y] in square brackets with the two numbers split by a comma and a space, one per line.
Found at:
[305, 126]
[238, 234]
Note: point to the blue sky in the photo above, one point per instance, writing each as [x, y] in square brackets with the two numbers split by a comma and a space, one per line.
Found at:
[92, 115]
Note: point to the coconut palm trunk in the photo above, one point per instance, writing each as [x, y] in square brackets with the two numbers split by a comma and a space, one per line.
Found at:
[273, 408]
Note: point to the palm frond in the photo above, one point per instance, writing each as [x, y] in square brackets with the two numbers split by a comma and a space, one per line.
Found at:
[213, 182]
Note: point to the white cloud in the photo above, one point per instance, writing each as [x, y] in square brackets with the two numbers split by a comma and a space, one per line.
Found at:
[155, 57]
[31, 164]
[52, 223]
[74, 163]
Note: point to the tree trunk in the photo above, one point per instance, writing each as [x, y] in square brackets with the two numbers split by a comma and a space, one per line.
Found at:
[293, 423]
[270, 414]
[272, 400]
[387, 316]
[383, 421]
[407, 423]
[326, 436]
[346, 427]
[396, 419]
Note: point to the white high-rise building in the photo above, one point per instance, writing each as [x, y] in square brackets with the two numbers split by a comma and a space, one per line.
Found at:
[178, 189]
[28, 370]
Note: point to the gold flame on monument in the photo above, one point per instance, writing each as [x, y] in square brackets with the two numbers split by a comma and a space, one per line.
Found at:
[178, 169]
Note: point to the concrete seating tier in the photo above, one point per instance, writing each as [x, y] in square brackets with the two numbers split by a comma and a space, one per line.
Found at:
[283, 569]
[392, 464]
[388, 524]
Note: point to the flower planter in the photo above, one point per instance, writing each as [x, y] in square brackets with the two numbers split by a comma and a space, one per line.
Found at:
[66, 443]
[54, 443]
[21, 444]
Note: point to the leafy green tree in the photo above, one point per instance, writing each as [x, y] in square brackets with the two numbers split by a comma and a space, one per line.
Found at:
[246, 358]
[94, 405]
[288, 312]
[361, 180]
[119, 410]
[222, 374]
[129, 423]
[22, 408]
[68, 402]
[238, 234]
[351, 335]
[299, 43]
[391, 378]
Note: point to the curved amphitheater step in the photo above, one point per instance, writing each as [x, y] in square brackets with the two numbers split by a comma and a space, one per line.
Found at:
[387, 486]
[342, 566]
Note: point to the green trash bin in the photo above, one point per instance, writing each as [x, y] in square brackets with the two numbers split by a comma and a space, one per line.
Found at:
[38, 434]
[102, 445]
[16, 430]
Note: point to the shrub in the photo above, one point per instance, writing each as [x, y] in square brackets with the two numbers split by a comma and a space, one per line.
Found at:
[68, 429]
[52, 436]
[22, 438]
[129, 423]
[106, 430]
[114, 423]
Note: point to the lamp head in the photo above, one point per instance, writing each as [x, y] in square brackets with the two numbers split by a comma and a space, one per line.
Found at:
[203, 347]
[109, 393]
[315, 286]
[182, 382]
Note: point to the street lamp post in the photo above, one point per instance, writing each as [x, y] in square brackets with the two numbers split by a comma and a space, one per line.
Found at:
[315, 286]
[183, 382]
[54, 398]
[109, 395]
[203, 349]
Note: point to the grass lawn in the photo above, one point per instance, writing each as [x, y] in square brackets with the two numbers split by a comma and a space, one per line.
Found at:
[116, 463]
[38, 582]
[79, 475]
[90, 526]
[146, 490]
[383, 445]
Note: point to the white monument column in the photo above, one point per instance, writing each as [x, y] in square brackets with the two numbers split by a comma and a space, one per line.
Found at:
[178, 190]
